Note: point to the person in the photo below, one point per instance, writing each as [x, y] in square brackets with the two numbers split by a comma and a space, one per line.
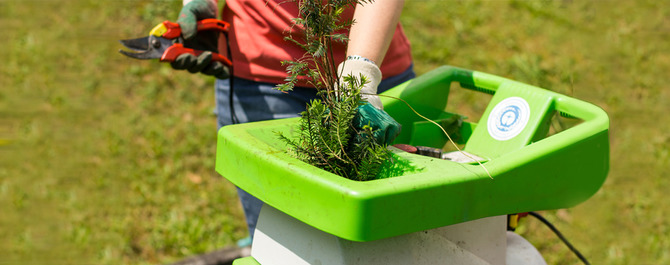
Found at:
[377, 48]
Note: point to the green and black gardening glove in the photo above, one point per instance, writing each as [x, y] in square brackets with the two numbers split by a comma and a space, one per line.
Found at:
[207, 41]
[384, 128]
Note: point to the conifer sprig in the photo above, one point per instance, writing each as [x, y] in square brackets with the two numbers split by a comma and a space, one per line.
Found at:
[326, 138]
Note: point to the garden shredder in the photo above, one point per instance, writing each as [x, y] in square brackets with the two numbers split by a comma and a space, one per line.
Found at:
[438, 211]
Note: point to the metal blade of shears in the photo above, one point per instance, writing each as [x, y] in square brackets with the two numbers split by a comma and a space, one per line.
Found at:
[156, 46]
[150, 54]
[139, 44]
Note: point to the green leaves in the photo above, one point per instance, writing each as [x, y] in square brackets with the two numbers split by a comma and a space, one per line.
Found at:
[321, 25]
[294, 69]
[327, 138]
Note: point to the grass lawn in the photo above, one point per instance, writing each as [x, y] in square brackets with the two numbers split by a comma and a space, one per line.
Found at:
[109, 160]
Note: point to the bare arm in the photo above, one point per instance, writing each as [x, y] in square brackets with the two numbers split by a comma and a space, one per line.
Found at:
[375, 23]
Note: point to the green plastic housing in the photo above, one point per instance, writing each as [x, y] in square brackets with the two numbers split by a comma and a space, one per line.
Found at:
[530, 171]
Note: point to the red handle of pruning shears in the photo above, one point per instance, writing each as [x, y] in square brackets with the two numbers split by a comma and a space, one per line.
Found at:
[177, 49]
[173, 30]
[213, 24]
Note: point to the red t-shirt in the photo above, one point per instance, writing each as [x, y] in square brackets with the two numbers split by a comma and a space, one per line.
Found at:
[258, 28]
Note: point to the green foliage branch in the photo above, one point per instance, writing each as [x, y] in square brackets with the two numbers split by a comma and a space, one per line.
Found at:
[327, 137]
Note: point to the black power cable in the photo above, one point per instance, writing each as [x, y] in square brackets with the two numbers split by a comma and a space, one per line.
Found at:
[553, 228]
[233, 117]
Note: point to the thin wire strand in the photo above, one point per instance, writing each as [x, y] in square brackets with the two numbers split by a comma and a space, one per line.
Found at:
[441, 128]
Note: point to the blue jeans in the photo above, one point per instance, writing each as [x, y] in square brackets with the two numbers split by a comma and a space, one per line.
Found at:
[258, 101]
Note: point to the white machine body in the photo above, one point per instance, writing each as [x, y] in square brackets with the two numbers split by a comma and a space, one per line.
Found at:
[281, 239]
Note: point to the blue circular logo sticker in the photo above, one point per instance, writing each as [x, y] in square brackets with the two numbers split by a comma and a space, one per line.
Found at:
[508, 118]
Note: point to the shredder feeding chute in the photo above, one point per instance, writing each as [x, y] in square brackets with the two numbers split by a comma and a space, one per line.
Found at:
[530, 170]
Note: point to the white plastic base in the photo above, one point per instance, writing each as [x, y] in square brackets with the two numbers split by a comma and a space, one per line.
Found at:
[281, 239]
[520, 251]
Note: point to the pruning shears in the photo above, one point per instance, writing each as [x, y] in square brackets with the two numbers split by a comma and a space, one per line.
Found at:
[165, 42]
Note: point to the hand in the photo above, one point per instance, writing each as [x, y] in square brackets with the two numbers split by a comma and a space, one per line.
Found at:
[191, 13]
[372, 74]
[384, 128]
[202, 63]
[207, 41]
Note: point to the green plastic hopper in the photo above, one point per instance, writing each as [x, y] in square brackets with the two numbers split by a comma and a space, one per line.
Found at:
[531, 171]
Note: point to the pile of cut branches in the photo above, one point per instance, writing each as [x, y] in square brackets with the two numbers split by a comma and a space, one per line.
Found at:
[327, 137]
